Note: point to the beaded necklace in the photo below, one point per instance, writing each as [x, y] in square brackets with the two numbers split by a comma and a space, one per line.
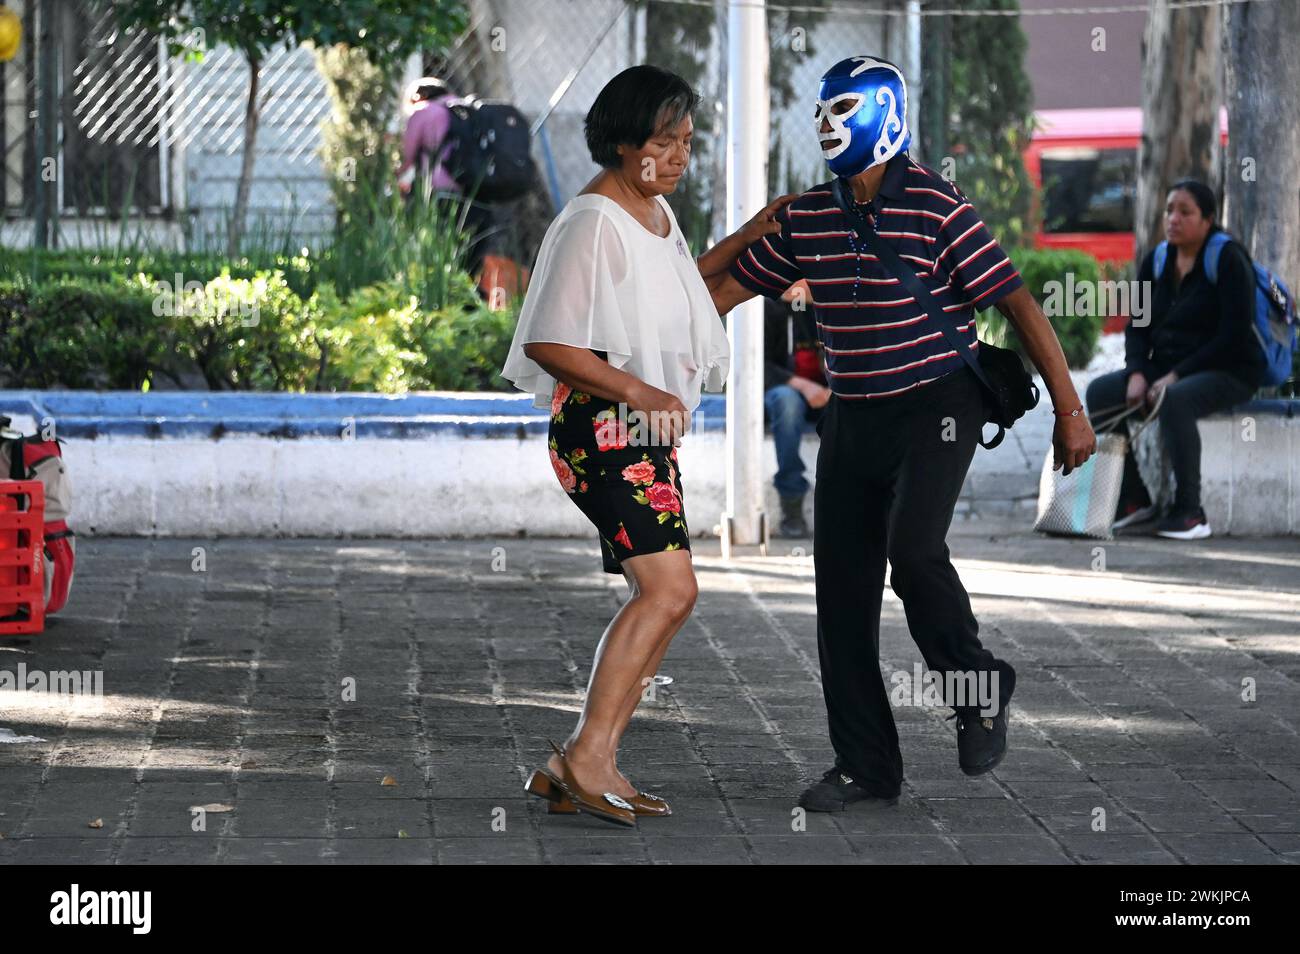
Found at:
[866, 210]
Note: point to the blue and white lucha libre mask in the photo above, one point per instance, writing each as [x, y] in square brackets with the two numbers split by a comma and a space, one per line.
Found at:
[873, 128]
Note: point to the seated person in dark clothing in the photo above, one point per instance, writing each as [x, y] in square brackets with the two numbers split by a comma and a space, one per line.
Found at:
[794, 396]
[1196, 344]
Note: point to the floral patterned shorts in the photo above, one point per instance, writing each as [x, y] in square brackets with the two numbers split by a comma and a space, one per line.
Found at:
[632, 494]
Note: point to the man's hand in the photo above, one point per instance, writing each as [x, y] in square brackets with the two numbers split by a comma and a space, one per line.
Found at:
[1073, 442]
[1158, 386]
[815, 394]
[765, 223]
[1137, 389]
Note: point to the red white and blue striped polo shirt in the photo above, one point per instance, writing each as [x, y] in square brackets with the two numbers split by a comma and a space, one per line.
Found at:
[879, 342]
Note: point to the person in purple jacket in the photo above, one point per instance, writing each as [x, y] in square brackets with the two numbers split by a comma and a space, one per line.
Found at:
[424, 146]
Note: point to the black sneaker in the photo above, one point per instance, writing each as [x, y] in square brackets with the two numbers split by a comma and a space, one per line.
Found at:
[837, 791]
[792, 521]
[981, 741]
[1184, 525]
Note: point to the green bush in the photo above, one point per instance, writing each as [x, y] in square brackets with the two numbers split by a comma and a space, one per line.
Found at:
[254, 331]
[463, 342]
[362, 341]
[78, 334]
[36, 267]
[381, 339]
[242, 333]
[1059, 270]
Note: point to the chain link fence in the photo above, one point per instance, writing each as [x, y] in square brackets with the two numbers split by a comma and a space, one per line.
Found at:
[551, 60]
[141, 136]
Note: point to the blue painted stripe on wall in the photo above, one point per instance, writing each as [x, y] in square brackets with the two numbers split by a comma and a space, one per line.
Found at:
[191, 414]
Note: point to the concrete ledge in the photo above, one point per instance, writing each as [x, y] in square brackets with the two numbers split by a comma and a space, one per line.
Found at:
[469, 464]
[1250, 484]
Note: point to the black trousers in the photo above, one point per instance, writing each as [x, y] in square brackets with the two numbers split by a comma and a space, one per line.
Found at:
[1186, 401]
[889, 472]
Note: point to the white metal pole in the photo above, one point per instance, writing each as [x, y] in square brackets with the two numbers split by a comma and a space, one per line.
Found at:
[911, 65]
[747, 149]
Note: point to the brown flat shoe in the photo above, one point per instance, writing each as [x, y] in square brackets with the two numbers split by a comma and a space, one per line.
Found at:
[651, 806]
[606, 805]
[544, 785]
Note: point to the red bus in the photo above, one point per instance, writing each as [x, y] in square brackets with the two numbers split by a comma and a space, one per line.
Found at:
[1088, 160]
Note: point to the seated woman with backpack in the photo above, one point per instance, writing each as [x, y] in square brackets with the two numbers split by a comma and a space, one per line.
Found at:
[1197, 345]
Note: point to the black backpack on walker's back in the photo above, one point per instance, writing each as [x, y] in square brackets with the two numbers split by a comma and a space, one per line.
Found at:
[488, 149]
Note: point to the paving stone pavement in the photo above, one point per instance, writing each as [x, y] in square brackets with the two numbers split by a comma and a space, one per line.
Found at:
[224, 686]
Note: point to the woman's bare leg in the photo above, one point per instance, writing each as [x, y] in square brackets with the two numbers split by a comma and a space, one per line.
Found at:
[632, 645]
[637, 692]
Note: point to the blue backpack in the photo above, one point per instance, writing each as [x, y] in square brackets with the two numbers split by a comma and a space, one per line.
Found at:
[1275, 315]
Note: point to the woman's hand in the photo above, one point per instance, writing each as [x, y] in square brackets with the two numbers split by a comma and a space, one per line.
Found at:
[1158, 386]
[1137, 389]
[765, 223]
[666, 416]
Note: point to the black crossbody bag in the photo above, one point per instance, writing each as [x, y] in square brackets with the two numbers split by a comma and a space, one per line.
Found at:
[1009, 391]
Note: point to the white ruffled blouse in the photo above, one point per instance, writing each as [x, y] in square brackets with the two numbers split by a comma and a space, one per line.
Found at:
[606, 282]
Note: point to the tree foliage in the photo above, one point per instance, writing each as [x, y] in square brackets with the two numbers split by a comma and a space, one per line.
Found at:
[989, 117]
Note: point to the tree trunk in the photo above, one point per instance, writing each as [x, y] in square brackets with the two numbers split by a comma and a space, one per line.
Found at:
[240, 214]
[523, 221]
[1262, 174]
[488, 72]
[1181, 95]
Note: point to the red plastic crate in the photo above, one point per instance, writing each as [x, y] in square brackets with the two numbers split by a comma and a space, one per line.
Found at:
[22, 560]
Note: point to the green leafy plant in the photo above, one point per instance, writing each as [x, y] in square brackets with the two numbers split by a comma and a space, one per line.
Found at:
[242, 333]
[1054, 277]
[78, 334]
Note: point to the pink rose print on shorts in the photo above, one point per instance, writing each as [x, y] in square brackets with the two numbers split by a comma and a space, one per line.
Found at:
[663, 496]
[611, 433]
[642, 472]
[561, 394]
[564, 472]
[622, 537]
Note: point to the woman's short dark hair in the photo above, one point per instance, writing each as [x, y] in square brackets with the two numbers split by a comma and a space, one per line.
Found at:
[1201, 194]
[633, 106]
